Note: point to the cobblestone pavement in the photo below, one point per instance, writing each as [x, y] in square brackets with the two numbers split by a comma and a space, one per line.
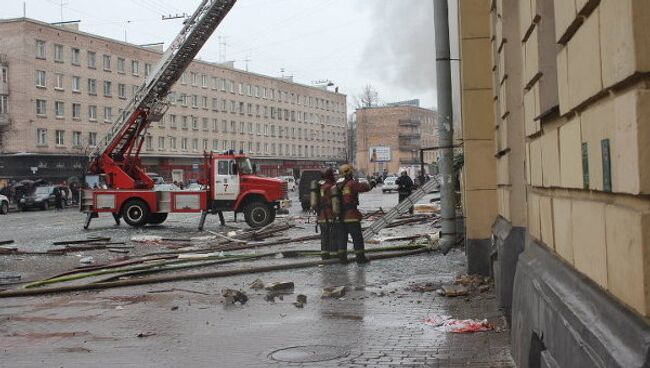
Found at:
[378, 323]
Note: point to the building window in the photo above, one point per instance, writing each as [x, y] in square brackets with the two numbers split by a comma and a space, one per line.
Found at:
[59, 82]
[184, 144]
[195, 101]
[41, 107]
[40, 49]
[58, 53]
[76, 111]
[76, 139]
[194, 78]
[75, 56]
[60, 135]
[195, 144]
[206, 124]
[41, 137]
[161, 143]
[92, 113]
[92, 139]
[215, 144]
[92, 60]
[195, 123]
[108, 88]
[59, 109]
[172, 121]
[233, 127]
[108, 114]
[222, 84]
[4, 104]
[40, 79]
[135, 67]
[147, 69]
[107, 63]
[121, 90]
[76, 84]
[121, 65]
[172, 143]
[224, 126]
[184, 124]
[149, 143]
[204, 81]
[92, 87]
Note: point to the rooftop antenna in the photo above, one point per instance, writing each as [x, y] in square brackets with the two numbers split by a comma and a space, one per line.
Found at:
[282, 71]
[24, 9]
[223, 48]
[247, 60]
[63, 3]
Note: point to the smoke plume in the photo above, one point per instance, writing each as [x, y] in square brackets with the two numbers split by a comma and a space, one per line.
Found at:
[402, 50]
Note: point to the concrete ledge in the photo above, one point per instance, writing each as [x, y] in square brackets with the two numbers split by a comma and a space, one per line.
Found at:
[561, 316]
[478, 252]
[509, 245]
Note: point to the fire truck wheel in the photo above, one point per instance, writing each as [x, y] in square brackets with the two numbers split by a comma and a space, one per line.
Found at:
[258, 214]
[157, 218]
[135, 212]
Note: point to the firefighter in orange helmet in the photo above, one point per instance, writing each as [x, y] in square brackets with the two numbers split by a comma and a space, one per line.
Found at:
[350, 216]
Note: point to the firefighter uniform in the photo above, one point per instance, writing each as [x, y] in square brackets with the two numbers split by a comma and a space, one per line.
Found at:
[351, 217]
[326, 216]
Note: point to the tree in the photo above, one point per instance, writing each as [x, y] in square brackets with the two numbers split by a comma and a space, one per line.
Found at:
[369, 97]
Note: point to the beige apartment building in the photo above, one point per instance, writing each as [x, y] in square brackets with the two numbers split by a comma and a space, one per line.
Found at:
[62, 88]
[389, 138]
[556, 122]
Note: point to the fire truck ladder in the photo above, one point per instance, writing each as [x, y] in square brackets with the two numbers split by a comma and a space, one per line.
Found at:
[121, 145]
[398, 210]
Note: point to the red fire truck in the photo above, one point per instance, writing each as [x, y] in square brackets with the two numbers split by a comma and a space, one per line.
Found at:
[121, 186]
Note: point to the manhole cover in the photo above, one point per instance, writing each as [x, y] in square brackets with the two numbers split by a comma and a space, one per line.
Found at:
[308, 354]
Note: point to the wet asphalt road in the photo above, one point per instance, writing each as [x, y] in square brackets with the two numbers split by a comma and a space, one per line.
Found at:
[379, 322]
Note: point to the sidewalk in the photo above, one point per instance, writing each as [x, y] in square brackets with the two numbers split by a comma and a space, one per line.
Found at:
[379, 322]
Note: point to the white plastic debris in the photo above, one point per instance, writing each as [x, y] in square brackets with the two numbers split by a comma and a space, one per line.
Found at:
[146, 239]
[87, 260]
[445, 323]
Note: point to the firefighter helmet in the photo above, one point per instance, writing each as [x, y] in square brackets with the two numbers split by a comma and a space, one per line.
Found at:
[346, 170]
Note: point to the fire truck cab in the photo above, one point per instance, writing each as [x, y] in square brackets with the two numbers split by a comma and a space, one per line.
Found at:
[231, 184]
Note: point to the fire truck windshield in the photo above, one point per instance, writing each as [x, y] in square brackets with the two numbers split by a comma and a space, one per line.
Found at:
[245, 166]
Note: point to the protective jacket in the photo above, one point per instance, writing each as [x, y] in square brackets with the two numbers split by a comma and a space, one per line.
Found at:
[404, 185]
[350, 199]
[325, 213]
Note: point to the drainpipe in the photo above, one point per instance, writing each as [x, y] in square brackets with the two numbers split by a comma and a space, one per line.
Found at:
[445, 126]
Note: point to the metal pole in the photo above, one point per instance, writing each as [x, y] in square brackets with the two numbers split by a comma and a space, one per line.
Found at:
[445, 126]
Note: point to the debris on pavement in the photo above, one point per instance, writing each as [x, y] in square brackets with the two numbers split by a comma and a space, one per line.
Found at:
[426, 209]
[424, 287]
[86, 241]
[233, 296]
[146, 334]
[445, 323]
[177, 289]
[257, 285]
[6, 277]
[280, 286]
[87, 260]
[6, 242]
[335, 292]
[300, 298]
[453, 291]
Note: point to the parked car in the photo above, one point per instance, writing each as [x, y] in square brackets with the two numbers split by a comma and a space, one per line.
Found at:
[43, 198]
[4, 205]
[291, 182]
[304, 189]
[389, 185]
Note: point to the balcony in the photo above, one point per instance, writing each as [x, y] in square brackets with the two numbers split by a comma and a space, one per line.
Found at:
[410, 135]
[410, 123]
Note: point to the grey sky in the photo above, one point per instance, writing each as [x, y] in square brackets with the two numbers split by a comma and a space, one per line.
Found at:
[386, 43]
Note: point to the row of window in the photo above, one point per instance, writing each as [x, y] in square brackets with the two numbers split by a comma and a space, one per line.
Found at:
[91, 59]
[255, 148]
[232, 127]
[196, 80]
[60, 140]
[251, 90]
[59, 111]
[59, 85]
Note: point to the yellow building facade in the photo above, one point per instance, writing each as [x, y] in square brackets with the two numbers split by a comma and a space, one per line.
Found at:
[555, 183]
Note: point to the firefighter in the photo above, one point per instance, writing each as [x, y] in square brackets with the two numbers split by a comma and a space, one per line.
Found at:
[325, 215]
[404, 187]
[350, 217]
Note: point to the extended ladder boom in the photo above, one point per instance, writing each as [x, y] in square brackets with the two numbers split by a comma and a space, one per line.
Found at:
[149, 102]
